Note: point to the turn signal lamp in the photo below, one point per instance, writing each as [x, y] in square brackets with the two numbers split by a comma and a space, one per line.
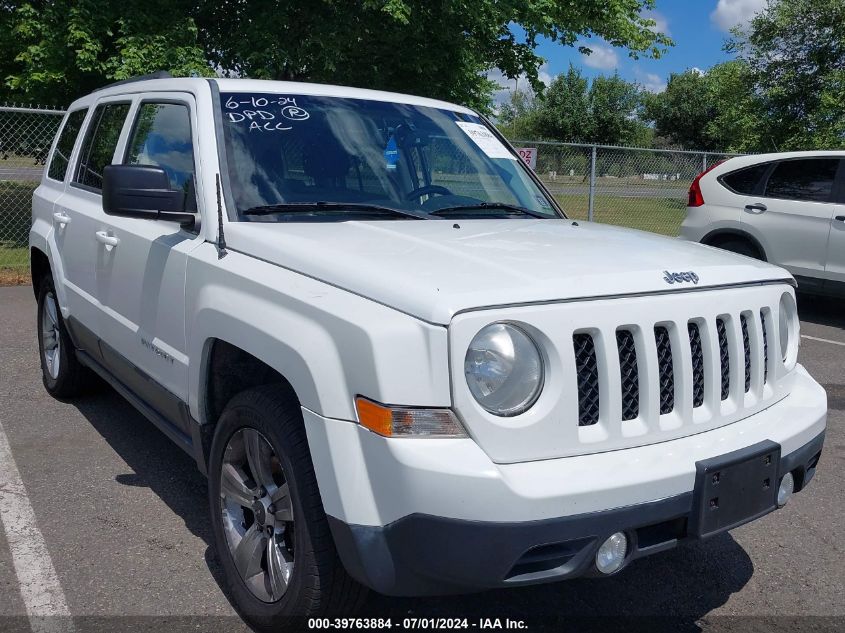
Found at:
[391, 421]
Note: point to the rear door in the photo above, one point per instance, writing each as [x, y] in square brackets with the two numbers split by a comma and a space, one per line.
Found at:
[84, 256]
[144, 283]
[791, 216]
[51, 190]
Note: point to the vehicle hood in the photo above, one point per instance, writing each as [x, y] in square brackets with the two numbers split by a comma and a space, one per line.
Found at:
[434, 269]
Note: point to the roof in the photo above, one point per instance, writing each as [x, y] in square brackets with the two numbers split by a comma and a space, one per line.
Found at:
[260, 85]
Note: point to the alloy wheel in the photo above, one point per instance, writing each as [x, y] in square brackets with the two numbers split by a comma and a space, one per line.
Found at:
[257, 514]
[51, 341]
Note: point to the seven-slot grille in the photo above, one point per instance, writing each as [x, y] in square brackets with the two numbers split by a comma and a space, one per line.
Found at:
[667, 358]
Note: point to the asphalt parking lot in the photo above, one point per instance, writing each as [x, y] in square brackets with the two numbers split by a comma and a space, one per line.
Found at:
[123, 517]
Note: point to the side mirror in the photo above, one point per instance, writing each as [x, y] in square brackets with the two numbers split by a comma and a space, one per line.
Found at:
[143, 191]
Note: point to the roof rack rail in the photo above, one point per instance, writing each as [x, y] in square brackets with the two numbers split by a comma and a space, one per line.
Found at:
[159, 74]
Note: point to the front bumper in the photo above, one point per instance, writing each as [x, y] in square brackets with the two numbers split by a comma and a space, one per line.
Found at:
[427, 555]
[417, 516]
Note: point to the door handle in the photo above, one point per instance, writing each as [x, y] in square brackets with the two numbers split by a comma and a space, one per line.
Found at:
[61, 218]
[840, 218]
[757, 206]
[109, 240]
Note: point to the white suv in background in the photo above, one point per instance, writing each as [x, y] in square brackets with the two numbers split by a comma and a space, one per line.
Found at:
[786, 208]
[399, 364]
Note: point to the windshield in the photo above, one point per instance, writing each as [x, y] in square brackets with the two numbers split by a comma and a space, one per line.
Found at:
[316, 158]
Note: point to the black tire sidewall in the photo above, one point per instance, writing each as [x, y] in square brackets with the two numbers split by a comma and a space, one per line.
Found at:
[243, 412]
[55, 386]
[740, 247]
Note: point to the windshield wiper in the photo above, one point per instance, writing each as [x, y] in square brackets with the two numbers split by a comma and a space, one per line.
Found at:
[489, 205]
[299, 207]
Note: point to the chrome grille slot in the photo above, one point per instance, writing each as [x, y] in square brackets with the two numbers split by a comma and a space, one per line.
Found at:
[746, 347]
[666, 368]
[586, 366]
[629, 374]
[724, 358]
[765, 347]
[697, 357]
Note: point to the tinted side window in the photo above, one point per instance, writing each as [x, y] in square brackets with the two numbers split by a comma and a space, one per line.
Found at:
[745, 180]
[162, 137]
[99, 144]
[806, 179]
[64, 146]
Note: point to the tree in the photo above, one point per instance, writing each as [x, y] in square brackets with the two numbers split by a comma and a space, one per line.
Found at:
[572, 108]
[564, 111]
[738, 121]
[516, 118]
[795, 50]
[436, 48]
[718, 110]
[614, 107]
[682, 111]
[62, 49]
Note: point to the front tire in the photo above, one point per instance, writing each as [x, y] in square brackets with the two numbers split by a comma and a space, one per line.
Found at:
[270, 530]
[740, 247]
[63, 375]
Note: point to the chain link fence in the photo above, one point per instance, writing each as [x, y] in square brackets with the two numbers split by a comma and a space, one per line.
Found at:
[628, 186]
[25, 138]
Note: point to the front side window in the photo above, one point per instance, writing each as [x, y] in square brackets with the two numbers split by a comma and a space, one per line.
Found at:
[64, 146]
[317, 158]
[100, 142]
[809, 180]
[162, 137]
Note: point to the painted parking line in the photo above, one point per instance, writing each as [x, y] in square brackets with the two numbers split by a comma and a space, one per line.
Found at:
[41, 592]
[823, 340]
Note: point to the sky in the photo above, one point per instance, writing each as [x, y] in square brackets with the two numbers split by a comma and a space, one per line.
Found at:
[698, 27]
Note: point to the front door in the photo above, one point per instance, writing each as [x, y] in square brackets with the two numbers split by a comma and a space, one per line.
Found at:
[145, 284]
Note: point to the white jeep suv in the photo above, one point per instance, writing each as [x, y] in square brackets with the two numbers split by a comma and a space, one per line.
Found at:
[398, 362]
[787, 209]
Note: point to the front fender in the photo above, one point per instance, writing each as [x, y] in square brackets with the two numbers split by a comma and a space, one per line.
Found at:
[329, 344]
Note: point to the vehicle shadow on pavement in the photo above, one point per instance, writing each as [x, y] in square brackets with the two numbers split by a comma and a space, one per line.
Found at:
[156, 463]
[822, 310]
[678, 587]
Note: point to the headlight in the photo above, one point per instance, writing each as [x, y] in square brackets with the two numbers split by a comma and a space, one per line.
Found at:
[504, 369]
[787, 328]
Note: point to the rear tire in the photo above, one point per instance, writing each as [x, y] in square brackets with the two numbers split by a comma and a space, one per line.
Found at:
[63, 375]
[740, 247]
[260, 458]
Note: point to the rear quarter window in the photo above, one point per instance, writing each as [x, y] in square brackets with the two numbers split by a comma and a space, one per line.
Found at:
[745, 180]
[64, 146]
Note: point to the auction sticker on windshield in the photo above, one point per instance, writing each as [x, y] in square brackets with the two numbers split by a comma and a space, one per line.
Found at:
[485, 139]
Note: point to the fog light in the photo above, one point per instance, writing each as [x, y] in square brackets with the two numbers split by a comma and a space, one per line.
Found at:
[612, 553]
[787, 485]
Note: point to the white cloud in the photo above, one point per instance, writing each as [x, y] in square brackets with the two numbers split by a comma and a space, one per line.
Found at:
[654, 83]
[697, 71]
[650, 81]
[730, 13]
[507, 85]
[662, 24]
[601, 58]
